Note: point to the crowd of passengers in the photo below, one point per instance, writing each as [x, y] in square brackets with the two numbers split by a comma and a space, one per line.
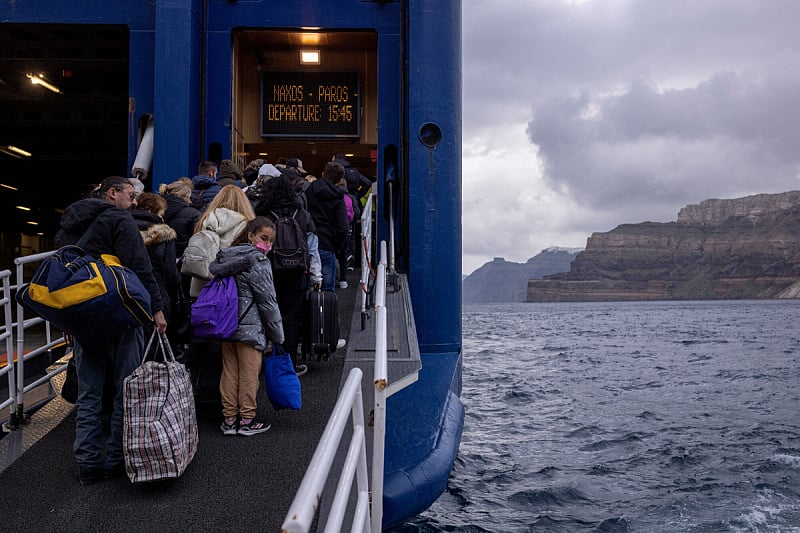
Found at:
[149, 232]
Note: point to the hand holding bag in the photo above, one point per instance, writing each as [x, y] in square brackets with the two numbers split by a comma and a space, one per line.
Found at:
[283, 385]
[160, 426]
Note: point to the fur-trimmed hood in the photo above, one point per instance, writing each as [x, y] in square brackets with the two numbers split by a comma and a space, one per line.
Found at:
[158, 233]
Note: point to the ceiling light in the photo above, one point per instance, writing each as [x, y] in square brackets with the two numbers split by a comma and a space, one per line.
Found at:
[8, 187]
[32, 223]
[38, 79]
[19, 151]
[309, 57]
[23, 208]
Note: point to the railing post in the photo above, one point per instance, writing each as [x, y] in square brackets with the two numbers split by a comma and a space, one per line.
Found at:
[380, 382]
[8, 335]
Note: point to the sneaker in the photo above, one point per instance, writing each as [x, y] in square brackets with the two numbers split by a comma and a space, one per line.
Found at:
[342, 284]
[228, 429]
[253, 428]
[300, 369]
[341, 344]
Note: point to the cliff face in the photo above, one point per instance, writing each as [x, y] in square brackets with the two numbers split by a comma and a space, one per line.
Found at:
[502, 281]
[741, 248]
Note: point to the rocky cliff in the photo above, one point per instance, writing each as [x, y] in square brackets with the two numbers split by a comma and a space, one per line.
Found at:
[740, 248]
[500, 281]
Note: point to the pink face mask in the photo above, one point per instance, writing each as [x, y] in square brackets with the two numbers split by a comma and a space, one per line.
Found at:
[264, 247]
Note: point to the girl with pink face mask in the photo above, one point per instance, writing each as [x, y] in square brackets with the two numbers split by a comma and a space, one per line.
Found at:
[259, 322]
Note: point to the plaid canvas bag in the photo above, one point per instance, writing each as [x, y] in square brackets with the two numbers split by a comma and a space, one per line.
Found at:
[160, 425]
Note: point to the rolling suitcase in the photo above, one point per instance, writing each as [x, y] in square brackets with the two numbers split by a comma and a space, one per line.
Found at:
[322, 324]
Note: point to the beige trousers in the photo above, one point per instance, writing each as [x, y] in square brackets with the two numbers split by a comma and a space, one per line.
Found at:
[238, 386]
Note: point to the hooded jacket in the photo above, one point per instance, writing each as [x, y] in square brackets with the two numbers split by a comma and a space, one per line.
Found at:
[115, 233]
[159, 239]
[207, 187]
[227, 224]
[254, 285]
[326, 205]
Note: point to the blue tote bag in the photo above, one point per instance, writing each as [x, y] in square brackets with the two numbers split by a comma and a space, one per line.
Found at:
[283, 385]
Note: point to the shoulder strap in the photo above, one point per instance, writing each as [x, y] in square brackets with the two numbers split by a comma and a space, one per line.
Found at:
[86, 234]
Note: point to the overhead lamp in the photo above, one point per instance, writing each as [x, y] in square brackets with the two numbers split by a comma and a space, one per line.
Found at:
[14, 151]
[38, 79]
[32, 223]
[19, 151]
[22, 207]
[309, 57]
[8, 187]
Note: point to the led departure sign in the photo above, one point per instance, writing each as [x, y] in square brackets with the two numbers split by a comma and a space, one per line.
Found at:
[310, 104]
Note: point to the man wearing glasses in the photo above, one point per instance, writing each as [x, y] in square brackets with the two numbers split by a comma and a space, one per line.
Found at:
[106, 220]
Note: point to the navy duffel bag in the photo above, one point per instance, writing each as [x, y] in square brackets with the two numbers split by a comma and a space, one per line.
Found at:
[94, 300]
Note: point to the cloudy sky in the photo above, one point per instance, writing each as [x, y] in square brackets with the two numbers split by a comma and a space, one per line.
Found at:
[585, 114]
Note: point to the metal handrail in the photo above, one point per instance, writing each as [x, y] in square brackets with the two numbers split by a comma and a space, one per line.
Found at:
[18, 389]
[366, 240]
[306, 501]
[8, 336]
[381, 381]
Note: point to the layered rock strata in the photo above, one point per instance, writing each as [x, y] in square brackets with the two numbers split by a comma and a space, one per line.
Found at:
[718, 249]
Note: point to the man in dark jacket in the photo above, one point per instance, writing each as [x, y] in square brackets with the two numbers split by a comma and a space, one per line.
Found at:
[327, 208]
[357, 184]
[111, 230]
[205, 185]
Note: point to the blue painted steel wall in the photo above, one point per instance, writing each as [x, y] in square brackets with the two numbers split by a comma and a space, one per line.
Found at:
[434, 95]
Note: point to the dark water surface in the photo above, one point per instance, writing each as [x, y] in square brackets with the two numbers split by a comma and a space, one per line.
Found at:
[646, 416]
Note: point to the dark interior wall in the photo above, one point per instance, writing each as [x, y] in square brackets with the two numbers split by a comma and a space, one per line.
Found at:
[76, 137]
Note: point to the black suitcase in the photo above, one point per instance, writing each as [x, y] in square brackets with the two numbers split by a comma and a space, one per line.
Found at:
[203, 360]
[322, 324]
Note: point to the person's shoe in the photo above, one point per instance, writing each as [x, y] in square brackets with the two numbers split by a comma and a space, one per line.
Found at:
[349, 269]
[300, 369]
[116, 471]
[253, 428]
[228, 428]
[90, 476]
[342, 284]
[341, 344]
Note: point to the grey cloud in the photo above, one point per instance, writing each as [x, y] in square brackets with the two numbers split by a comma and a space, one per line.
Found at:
[733, 134]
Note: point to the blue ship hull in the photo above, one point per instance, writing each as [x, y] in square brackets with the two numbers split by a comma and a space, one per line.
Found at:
[185, 69]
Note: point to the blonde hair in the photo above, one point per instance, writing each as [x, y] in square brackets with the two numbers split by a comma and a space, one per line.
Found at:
[176, 188]
[230, 197]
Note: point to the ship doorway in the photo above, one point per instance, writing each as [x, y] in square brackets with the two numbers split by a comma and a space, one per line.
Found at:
[284, 109]
[64, 103]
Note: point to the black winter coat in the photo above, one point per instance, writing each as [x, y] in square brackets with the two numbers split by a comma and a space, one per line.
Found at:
[326, 205]
[159, 239]
[181, 217]
[114, 233]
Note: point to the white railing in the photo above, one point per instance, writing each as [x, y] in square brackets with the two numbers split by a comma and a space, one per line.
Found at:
[17, 358]
[381, 380]
[8, 335]
[366, 240]
[309, 495]
[307, 500]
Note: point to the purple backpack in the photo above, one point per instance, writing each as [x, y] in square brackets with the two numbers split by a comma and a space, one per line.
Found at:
[215, 313]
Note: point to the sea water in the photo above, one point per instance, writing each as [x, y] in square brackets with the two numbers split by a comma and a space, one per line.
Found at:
[646, 416]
